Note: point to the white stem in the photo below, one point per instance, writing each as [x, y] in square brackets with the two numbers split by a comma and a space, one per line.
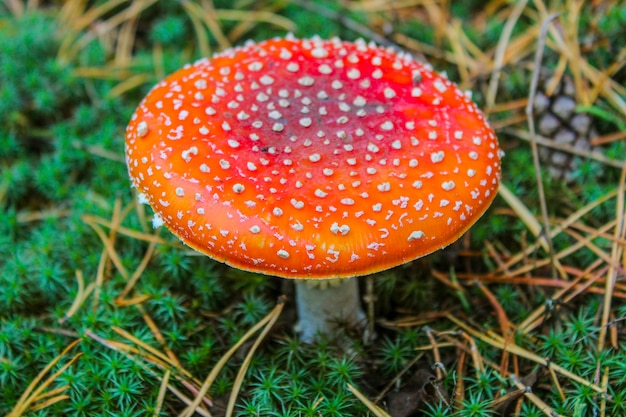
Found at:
[326, 308]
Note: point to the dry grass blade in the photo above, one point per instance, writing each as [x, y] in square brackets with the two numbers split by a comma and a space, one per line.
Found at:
[363, 30]
[616, 255]
[109, 247]
[195, 15]
[146, 237]
[142, 358]
[498, 59]
[545, 408]
[519, 351]
[135, 277]
[33, 391]
[523, 213]
[531, 128]
[594, 155]
[204, 389]
[257, 16]
[396, 378]
[162, 390]
[376, 410]
[246, 363]
[163, 357]
[81, 296]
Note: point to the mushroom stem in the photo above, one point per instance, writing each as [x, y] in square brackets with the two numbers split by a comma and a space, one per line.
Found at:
[326, 307]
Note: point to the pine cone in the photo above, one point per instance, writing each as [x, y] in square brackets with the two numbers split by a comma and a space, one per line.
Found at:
[558, 120]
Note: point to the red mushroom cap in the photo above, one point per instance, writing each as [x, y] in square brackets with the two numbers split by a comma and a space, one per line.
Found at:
[312, 158]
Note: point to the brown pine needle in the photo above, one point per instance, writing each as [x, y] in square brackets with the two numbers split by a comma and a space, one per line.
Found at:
[376, 410]
[159, 337]
[146, 237]
[135, 277]
[617, 253]
[81, 296]
[540, 404]
[141, 357]
[34, 390]
[246, 363]
[206, 386]
[162, 390]
[519, 351]
[48, 402]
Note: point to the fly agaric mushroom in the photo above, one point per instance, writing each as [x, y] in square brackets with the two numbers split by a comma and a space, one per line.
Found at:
[311, 159]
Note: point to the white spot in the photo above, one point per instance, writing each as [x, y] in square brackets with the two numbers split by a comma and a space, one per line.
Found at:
[315, 157]
[233, 143]
[389, 93]
[226, 126]
[283, 254]
[187, 154]
[297, 204]
[320, 193]
[180, 191]
[275, 114]
[385, 186]
[224, 164]
[416, 234]
[354, 74]
[319, 52]
[340, 230]
[306, 81]
[387, 126]
[471, 172]
[277, 211]
[473, 155]
[359, 101]
[255, 66]
[278, 127]
[142, 129]
[372, 148]
[377, 207]
[238, 188]
[255, 229]
[157, 221]
[266, 80]
[293, 67]
[325, 69]
[416, 92]
[347, 201]
[437, 156]
[306, 122]
[448, 185]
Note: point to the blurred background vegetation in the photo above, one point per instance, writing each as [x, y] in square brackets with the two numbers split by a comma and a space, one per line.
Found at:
[523, 316]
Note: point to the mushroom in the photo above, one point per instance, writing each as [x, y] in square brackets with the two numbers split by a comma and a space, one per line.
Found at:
[313, 159]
